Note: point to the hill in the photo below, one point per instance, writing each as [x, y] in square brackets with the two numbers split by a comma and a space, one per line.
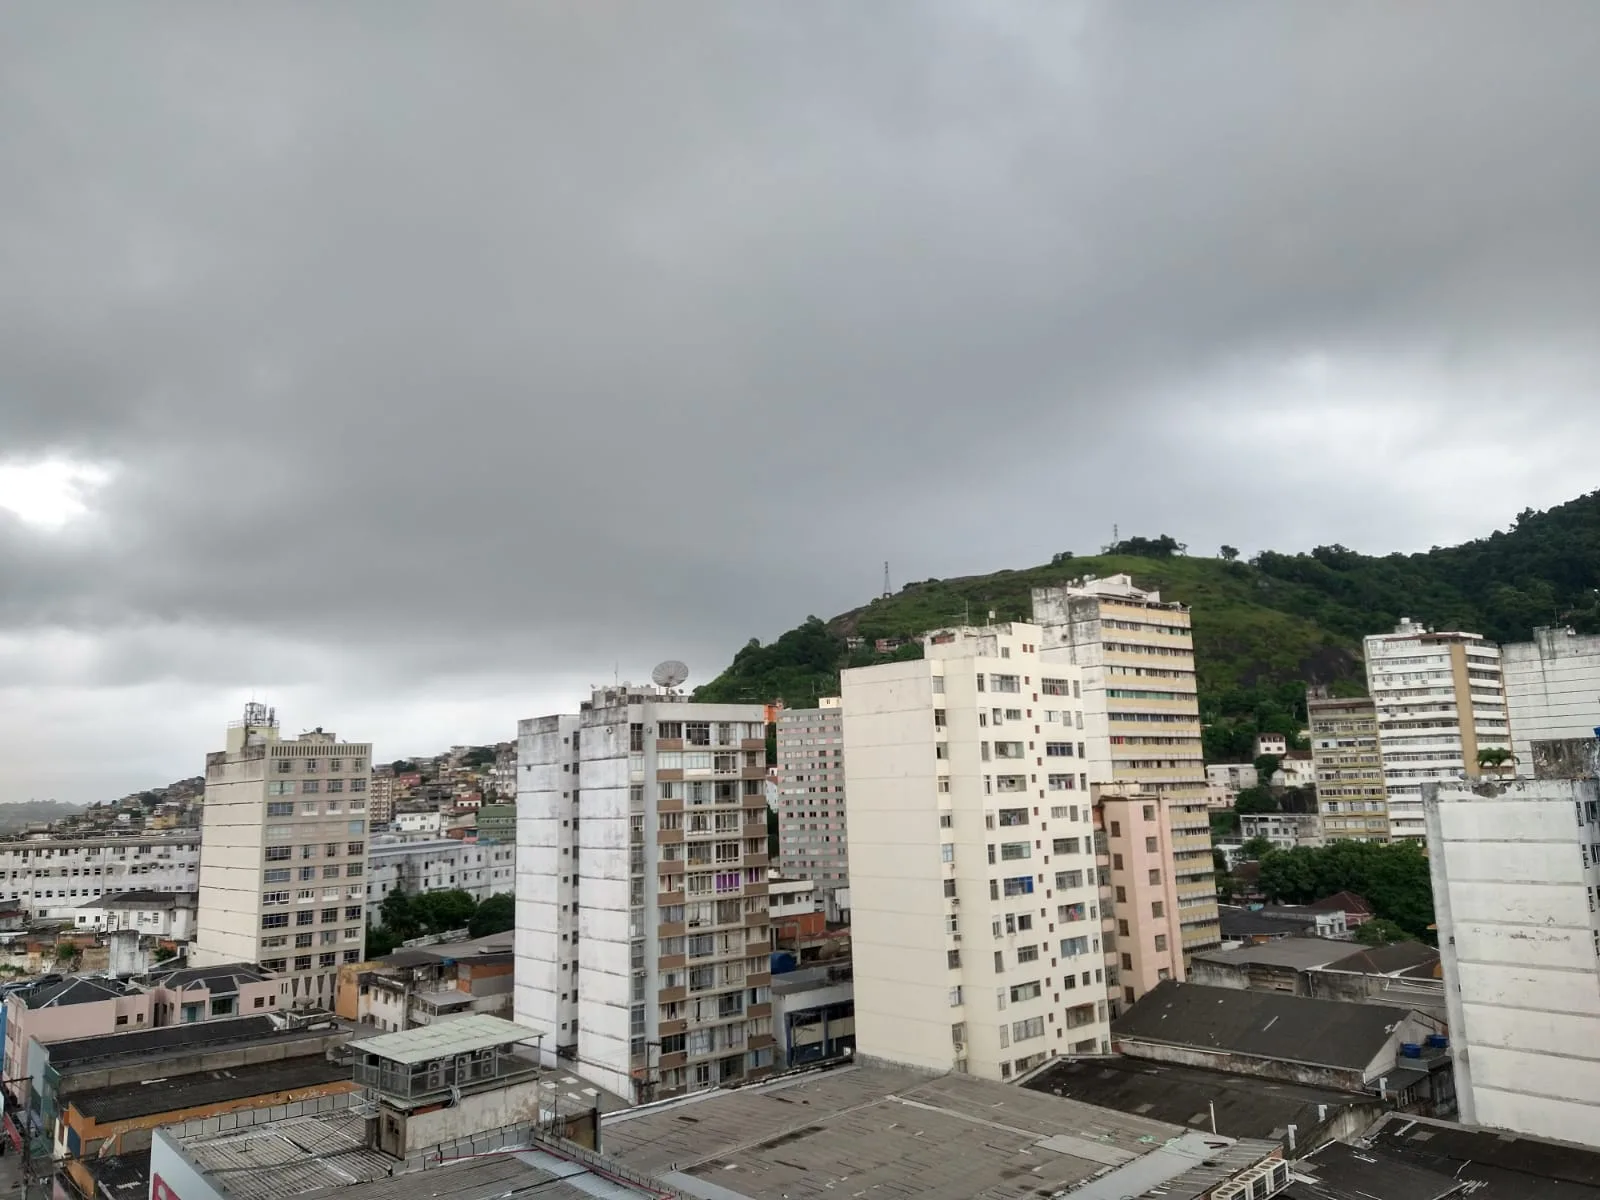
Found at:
[1263, 629]
[18, 815]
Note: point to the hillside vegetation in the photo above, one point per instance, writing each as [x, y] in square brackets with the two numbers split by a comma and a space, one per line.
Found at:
[1263, 629]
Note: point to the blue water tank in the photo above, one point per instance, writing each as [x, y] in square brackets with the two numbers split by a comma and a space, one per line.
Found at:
[1410, 1050]
[1437, 1041]
[782, 963]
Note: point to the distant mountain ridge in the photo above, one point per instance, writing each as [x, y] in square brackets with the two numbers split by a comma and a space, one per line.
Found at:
[1263, 629]
[18, 815]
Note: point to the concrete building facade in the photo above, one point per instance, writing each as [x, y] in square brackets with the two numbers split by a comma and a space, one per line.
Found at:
[1351, 798]
[481, 869]
[1136, 652]
[811, 796]
[1140, 915]
[642, 938]
[1440, 700]
[284, 856]
[975, 921]
[1516, 873]
[1552, 689]
[52, 877]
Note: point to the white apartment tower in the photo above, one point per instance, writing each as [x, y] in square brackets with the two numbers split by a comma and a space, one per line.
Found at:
[1440, 700]
[1552, 689]
[1136, 652]
[1516, 875]
[283, 856]
[642, 941]
[811, 801]
[974, 892]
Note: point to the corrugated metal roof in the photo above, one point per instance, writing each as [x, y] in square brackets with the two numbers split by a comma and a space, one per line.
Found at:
[478, 1032]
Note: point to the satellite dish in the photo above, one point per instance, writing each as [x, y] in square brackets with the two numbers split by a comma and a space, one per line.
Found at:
[670, 673]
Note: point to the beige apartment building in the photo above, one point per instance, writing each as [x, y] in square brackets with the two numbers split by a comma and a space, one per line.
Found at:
[1352, 803]
[283, 856]
[642, 944]
[975, 919]
[1440, 699]
[1136, 652]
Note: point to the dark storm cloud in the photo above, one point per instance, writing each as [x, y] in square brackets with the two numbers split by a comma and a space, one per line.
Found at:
[541, 337]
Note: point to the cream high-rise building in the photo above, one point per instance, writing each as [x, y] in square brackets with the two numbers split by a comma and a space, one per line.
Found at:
[283, 856]
[1136, 652]
[975, 922]
[1440, 700]
[642, 942]
[1352, 802]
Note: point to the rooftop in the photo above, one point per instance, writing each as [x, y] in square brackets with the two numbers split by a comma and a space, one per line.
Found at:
[1338, 1171]
[1342, 902]
[1246, 922]
[153, 1097]
[74, 991]
[157, 1044]
[872, 1130]
[532, 1173]
[1245, 1106]
[1503, 1166]
[1298, 953]
[1331, 1033]
[219, 981]
[143, 899]
[446, 1039]
[1397, 957]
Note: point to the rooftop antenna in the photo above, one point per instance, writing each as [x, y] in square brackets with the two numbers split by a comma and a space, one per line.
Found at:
[887, 594]
[669, 674]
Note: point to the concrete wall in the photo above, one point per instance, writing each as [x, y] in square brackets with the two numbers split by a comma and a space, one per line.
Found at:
[1552, 689]
[473, 1113]
[1514, 882]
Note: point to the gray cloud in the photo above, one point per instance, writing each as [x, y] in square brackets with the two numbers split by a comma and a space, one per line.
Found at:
[488, 349]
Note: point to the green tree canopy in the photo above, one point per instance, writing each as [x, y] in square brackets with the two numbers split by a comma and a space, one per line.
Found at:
[497, 914]
[1379, 932]
[1393, 877]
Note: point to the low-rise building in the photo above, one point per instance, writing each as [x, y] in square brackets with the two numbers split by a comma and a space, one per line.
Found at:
[52, 876]
[423, 985]
[1299, 1116]
[1267, 1035]
[438, 865]
[168, 915]
[497, 823]
[873, 1130]
[417, 821]
[814, 1013]
[1283, 830]
[1403, 974]
[1264, 922]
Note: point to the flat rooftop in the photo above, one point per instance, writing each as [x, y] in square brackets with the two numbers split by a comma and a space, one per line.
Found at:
[533, 1173]
[446, 1039]
[1246, 1107]
[879, 1131]
[1296, 953]
[153, 1097]
[1503, 1166]
[153, 1045]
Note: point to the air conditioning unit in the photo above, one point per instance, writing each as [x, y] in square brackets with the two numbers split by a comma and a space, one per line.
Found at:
[1231, 1191]
[1277, 1176]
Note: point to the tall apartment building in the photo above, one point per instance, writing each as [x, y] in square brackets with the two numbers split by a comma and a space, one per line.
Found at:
[1440, 700]
[1136, 652]
[1351, 799]
[381, 810]
[1552, 689]
[642, 938]
[52, 877]
[811, 798]
[283, 856]
[1141, 918]
[1516, 874]
[975, 924]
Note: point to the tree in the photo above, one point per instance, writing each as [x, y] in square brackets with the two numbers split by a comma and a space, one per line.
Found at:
[68, 952]
[402, 766]
[495, 915]
[1379, 932]
[1256, 800]
[1266, 765]
[396, 914]
[163, 953]
[1495, 757]
[1257, 849]
[1060, 558]
[1228, 554]
[440, 912]
[381, 941]
[1393, 877]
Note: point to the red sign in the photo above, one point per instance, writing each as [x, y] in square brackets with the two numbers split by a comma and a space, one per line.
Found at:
[160, 1191]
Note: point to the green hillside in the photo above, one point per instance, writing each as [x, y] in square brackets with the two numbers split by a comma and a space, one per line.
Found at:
[1263, 630]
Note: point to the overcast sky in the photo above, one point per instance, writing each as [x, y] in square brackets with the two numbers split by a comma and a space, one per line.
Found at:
[411, 366]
